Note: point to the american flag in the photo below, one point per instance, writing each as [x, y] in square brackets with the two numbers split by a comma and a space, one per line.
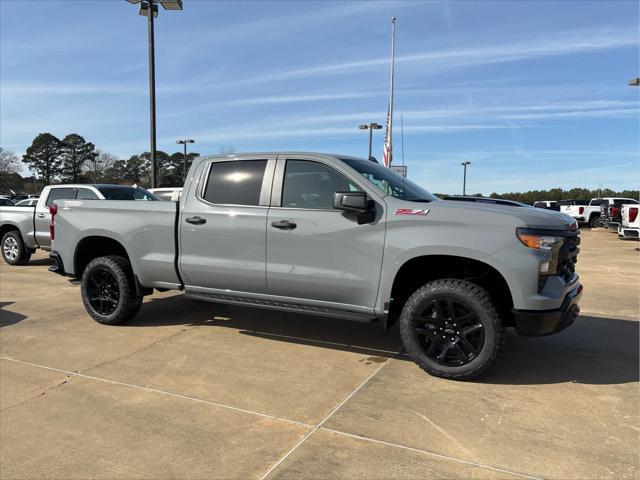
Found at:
[387, 153]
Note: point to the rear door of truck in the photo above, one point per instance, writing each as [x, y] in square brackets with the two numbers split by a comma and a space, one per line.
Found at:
[222, 224]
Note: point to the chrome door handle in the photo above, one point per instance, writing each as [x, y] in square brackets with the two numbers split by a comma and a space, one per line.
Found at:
[41, 215]
[196, 220]
[284, 225]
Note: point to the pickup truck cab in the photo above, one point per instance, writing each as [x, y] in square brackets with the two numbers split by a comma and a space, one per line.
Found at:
[23, 229]
[589, 214]
[336, 236]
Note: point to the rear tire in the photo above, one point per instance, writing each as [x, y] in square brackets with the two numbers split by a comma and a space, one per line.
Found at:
[14, 251]
[109, 291]
[594, 222]
[451, 329]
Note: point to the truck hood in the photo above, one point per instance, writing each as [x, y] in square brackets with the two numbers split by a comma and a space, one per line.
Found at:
[529, 216]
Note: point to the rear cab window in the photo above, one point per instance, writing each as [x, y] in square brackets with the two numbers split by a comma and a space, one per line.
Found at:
[86, 194]
[62, 193]
[235, 182]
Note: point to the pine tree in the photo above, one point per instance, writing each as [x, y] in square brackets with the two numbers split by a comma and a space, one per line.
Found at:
[76, 152]
[43, 156]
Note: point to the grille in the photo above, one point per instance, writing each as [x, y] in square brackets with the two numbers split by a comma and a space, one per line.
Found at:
[568, 257]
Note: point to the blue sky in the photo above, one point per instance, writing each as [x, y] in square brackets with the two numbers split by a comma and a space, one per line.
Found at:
[534, 94]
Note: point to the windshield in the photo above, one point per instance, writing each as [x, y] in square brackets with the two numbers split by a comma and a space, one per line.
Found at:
[126, 193]
[389, 182]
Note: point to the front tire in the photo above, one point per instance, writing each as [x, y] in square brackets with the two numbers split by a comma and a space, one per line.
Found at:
[14, 251]
[451, 329]
[109, 291]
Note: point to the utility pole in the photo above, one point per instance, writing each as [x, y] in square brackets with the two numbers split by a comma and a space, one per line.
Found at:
[149, 8]
[371, 127]
[464, 181]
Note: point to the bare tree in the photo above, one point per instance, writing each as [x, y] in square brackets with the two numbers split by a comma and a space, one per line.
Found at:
[8, 163]
[98, 165]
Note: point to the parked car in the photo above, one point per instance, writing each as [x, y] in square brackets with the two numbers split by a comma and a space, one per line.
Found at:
[547, 204]
[28, 202]
[611, 212]
[494, 201]
[630, 227]
[5, 202]
[23, 230]
[171, 194]
[335, 236]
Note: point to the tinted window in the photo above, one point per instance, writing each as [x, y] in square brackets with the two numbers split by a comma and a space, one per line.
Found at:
[312, 185]
[624, 200]
[86, 194]
[389, 182]
[5, 202]
[598, 201]
[126, 193]
[235, 183]
[61, 194]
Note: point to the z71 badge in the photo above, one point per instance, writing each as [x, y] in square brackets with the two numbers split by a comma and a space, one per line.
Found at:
[410, 211]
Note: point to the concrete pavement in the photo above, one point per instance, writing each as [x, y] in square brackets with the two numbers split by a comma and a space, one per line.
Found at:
[197, 390]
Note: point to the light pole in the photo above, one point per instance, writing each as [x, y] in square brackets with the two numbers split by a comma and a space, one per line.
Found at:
[634, 82]
[464, 181]
[149, 9]
[371, 127]
[184, 156]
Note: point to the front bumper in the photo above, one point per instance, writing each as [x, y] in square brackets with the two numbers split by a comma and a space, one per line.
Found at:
[546, 322]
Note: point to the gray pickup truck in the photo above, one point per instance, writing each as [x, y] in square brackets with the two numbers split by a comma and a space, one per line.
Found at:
[23, 229]
[336, 236]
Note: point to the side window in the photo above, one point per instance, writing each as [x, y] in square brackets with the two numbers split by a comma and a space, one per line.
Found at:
[310, 184]
[86, 194]
[235, 183]
[60, 194]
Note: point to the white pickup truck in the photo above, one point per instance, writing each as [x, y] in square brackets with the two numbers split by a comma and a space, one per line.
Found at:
[23, 229]
[630, 227]
[589, 214]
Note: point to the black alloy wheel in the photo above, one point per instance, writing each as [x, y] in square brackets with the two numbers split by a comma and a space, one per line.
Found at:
[103, 292]
[450, 332]
[451, 329]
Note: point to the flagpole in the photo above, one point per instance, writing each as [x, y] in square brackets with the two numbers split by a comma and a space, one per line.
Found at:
[389, 139]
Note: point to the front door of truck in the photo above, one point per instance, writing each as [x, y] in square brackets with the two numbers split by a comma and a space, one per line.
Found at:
[314, 251]
[222, 225]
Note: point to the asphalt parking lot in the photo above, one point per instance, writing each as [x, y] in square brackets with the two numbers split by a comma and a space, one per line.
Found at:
[197, 390]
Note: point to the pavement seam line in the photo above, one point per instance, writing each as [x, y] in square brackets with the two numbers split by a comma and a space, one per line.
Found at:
[323, 421]
[155, 390]
[433, 454]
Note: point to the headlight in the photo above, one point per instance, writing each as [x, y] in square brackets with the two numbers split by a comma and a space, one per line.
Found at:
[539, 241]
[550, 244]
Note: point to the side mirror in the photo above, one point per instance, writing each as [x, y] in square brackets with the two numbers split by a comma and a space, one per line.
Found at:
[357, 202]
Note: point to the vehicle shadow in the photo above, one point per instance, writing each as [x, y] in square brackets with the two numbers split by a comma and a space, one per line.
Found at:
[596, 351]
[9, 318]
